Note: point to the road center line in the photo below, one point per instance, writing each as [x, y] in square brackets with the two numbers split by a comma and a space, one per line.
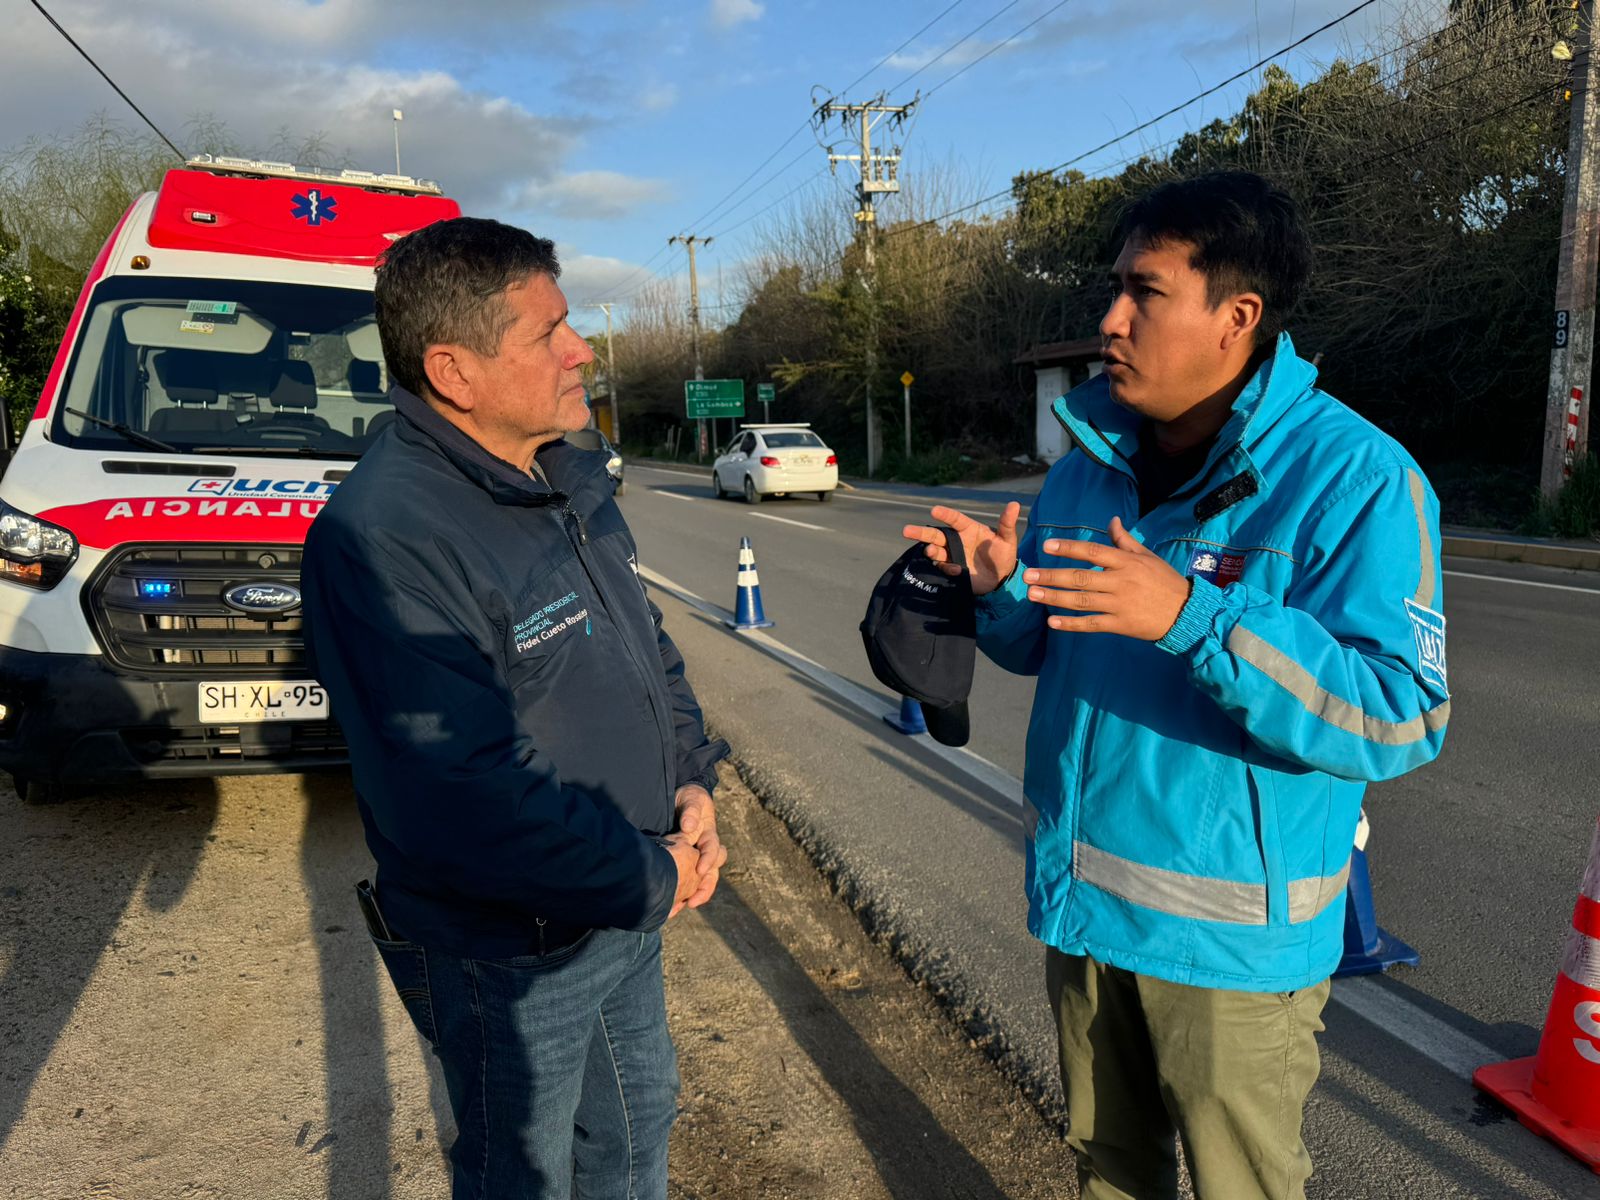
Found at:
[788, 521]
[674, 495]
[1456, 1052]
[1560, 587]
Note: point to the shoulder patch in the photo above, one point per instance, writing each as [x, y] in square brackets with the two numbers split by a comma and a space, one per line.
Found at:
[1427, 627]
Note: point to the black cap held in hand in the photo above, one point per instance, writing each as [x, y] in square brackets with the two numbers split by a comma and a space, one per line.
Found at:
[921, 635]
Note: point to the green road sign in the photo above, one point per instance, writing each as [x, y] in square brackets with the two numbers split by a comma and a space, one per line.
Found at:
[766, 392]
[714, 397]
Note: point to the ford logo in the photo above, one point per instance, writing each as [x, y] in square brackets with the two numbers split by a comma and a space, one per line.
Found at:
[261, 599]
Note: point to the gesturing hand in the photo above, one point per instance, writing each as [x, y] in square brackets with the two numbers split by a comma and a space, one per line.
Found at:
[697, 821]
[1136, 593]
[991, 553]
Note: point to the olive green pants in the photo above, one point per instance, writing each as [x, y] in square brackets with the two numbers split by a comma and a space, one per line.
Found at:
[1143, 1060]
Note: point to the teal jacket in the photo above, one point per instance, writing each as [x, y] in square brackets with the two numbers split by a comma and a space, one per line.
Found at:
[1191, 803]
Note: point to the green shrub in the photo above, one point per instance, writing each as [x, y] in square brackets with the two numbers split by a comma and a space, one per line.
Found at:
[1575, 512]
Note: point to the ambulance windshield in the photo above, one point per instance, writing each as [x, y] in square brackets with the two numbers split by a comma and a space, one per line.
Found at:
[228, 367]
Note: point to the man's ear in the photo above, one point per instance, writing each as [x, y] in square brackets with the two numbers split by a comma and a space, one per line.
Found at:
[1244, 317]
[449, 373]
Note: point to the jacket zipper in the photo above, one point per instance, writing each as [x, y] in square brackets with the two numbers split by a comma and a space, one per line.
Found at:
[668, 742]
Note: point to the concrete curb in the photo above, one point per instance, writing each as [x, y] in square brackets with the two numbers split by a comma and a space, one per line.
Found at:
[1534, 553]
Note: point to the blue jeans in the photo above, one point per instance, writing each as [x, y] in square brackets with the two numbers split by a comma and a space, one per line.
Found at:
[560, 1070]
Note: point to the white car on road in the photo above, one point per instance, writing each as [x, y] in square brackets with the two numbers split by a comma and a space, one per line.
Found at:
[775, 460]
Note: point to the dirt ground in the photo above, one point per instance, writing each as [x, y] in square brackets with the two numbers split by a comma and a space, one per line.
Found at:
[189, 1008]
[812, 1067]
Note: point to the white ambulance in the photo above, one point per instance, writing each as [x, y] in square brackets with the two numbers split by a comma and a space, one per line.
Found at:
[220, 374]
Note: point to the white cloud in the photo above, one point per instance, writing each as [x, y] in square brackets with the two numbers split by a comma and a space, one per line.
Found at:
[277, 66]
[727, 13]
[585, 277]
[590, 195]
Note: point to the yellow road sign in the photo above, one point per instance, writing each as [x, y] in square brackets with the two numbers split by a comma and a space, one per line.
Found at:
[907, 379]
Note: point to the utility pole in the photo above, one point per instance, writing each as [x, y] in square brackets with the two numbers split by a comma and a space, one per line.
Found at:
[611, 376]
[691, 241]
[1566, 425]
[879, 173]
[398, 117]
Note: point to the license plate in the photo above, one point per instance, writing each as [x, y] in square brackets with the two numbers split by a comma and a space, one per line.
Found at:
[247, 702]
[801, 460]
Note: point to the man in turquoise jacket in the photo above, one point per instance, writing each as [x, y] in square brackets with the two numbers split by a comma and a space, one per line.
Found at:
[1230, 592]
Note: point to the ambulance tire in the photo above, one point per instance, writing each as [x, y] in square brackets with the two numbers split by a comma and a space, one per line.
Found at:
[38, 792]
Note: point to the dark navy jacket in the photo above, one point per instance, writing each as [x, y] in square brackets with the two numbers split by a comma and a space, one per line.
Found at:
[518, 720]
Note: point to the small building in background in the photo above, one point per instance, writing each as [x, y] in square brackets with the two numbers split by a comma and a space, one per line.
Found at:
[1058, 368]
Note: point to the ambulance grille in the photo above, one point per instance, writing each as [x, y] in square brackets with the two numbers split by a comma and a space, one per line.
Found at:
[185, 628]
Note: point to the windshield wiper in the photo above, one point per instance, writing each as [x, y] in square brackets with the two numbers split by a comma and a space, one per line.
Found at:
[292, 451]
[127, 431]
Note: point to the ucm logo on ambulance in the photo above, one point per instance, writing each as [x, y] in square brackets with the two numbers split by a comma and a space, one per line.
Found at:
[220, 374]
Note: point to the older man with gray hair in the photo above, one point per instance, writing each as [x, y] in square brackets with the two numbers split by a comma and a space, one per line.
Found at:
[531, 765]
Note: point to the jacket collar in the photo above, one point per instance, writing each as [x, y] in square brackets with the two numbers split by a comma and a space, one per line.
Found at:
[1109, 433]
[567, 468]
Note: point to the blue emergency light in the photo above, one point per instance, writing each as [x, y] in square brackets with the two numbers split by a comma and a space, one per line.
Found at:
[157, 589]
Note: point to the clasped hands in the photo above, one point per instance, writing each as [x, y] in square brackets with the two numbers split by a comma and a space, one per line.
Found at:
[695, 848]
[1135, 592]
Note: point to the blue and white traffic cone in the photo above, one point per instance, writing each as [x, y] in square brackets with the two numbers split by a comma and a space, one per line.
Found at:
[747, 610]
[909, 720]
[1367, 948]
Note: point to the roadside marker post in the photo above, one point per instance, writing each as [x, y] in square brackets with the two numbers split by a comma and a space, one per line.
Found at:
[747, 610]
[1367, 948]
[909, 719]
[1556, 1093]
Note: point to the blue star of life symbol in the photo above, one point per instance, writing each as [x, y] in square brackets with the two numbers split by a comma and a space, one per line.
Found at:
[314, 208]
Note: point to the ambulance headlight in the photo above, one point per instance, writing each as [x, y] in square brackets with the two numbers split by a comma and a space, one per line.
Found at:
[34, 553]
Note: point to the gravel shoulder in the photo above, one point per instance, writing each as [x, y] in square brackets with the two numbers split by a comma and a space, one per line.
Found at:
[189, 1008]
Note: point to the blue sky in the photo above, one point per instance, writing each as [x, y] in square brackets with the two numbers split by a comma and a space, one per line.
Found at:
[611, 126]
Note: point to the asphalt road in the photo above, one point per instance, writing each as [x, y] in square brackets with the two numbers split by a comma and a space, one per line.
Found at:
[1475, 859]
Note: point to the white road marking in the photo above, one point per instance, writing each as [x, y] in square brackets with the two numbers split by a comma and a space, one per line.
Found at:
[1457, 1052]
[1560, 587]
[853, 494]
[787, 521]
[955, 504]
[1453, 1050]
[974, 766]
[674, 495]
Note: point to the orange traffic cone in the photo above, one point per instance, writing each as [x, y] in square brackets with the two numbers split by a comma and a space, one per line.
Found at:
[1556, 1093]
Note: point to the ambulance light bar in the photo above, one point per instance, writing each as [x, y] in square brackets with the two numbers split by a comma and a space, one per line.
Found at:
[262, 169]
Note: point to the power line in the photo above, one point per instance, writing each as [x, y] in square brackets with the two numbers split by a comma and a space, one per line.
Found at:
[86, 58]
[768, 208]
[754, 192]
[1294, 45]
[955, 44]
[997, 46]
[718, 209]
[900, 47]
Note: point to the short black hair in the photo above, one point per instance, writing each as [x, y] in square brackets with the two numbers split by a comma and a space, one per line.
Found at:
[446, 282]
[1247, 233]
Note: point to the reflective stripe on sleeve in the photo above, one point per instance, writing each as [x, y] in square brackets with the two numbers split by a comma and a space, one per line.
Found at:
[1419, 497]
[1323, 704]
[1200, 896]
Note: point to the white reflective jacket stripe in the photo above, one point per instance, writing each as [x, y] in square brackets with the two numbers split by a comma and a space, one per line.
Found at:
[1323, 704]
[1198, 896]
